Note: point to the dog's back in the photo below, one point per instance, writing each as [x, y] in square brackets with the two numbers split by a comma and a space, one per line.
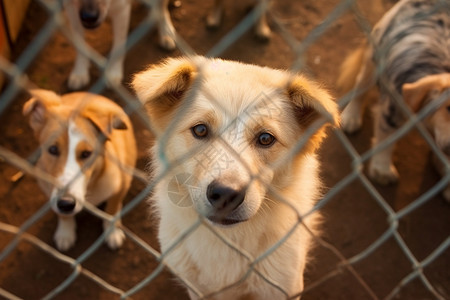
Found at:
[413, 41]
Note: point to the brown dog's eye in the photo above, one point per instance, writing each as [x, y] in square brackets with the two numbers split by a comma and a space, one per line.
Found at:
[85, 154]
[448, 108]
[265, 139]
[53, 150]
[200, 131]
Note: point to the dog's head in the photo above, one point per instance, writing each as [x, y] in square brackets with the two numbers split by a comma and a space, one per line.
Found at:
[72, 131]
[226, 130]
[91, 12]
[422, 92]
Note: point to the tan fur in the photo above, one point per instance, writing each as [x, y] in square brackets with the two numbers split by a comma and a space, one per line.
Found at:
[417, 92]
[104, 132]
[357, 70]
[420, 93]
[236, 102]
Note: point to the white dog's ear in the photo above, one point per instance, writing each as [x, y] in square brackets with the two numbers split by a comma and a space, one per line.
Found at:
[38, 107]
[161, 87]
[312, 102]
[415, 94]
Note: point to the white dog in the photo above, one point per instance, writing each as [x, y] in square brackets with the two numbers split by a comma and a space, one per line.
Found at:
[90, 14]
[227, 156]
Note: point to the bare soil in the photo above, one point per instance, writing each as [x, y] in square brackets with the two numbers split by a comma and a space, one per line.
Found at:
[353, 218]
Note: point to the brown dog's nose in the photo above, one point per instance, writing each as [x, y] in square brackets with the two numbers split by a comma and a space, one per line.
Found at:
[66, 204]
[224, 198]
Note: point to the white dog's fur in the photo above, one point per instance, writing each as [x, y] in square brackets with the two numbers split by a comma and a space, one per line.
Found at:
[86, 143]
[94, 13]
[214, 121]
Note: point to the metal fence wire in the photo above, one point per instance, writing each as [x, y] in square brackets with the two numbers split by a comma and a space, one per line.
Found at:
[377, 242]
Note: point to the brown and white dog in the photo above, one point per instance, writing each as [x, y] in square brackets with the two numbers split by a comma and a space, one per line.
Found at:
[411, 46]
[232, 157]
[89, 14]
[87, 144]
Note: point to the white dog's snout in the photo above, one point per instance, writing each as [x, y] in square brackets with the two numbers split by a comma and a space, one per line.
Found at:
[224, 198]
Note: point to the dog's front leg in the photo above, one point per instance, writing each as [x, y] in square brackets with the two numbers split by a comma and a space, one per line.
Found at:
[192, 295]
[116, 237]
[120, 24]
[446, 193]
[214, 17]
[65, 234]
[79, 76]
[352, 115]
[441, 169]
[262, 28]
[381, 168]
[165, 26]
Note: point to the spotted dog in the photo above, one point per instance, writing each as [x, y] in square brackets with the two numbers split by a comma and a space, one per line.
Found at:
[411, 46]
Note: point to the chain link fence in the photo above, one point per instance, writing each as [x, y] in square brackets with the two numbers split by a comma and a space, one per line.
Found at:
[377, 243]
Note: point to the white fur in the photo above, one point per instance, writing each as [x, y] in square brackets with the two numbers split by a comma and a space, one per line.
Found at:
[119, 12]
[239, 98]
[65, 235]
[204, 250]
[73, 178]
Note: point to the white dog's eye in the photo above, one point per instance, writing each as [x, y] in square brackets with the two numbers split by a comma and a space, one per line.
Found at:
[200, 131]
[265, 139]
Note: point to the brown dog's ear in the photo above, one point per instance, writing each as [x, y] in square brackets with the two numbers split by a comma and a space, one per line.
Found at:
[415, 94]
[38, 107]
[162, 86]
[312, 102]
[106, 119]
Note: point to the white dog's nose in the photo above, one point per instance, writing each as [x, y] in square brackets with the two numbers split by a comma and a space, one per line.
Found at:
[66, 204]
[224, 198]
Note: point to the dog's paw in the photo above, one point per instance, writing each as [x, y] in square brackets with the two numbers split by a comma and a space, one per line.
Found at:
[350, 122]
[167, 43]
[78, 79]
[114, 76]
[115, 238]
[263, 32]
[64, 239]
[446, 194]
[382, 174]
[214, 19]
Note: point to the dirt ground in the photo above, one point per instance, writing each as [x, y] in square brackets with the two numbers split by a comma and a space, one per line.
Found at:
[353, 219]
